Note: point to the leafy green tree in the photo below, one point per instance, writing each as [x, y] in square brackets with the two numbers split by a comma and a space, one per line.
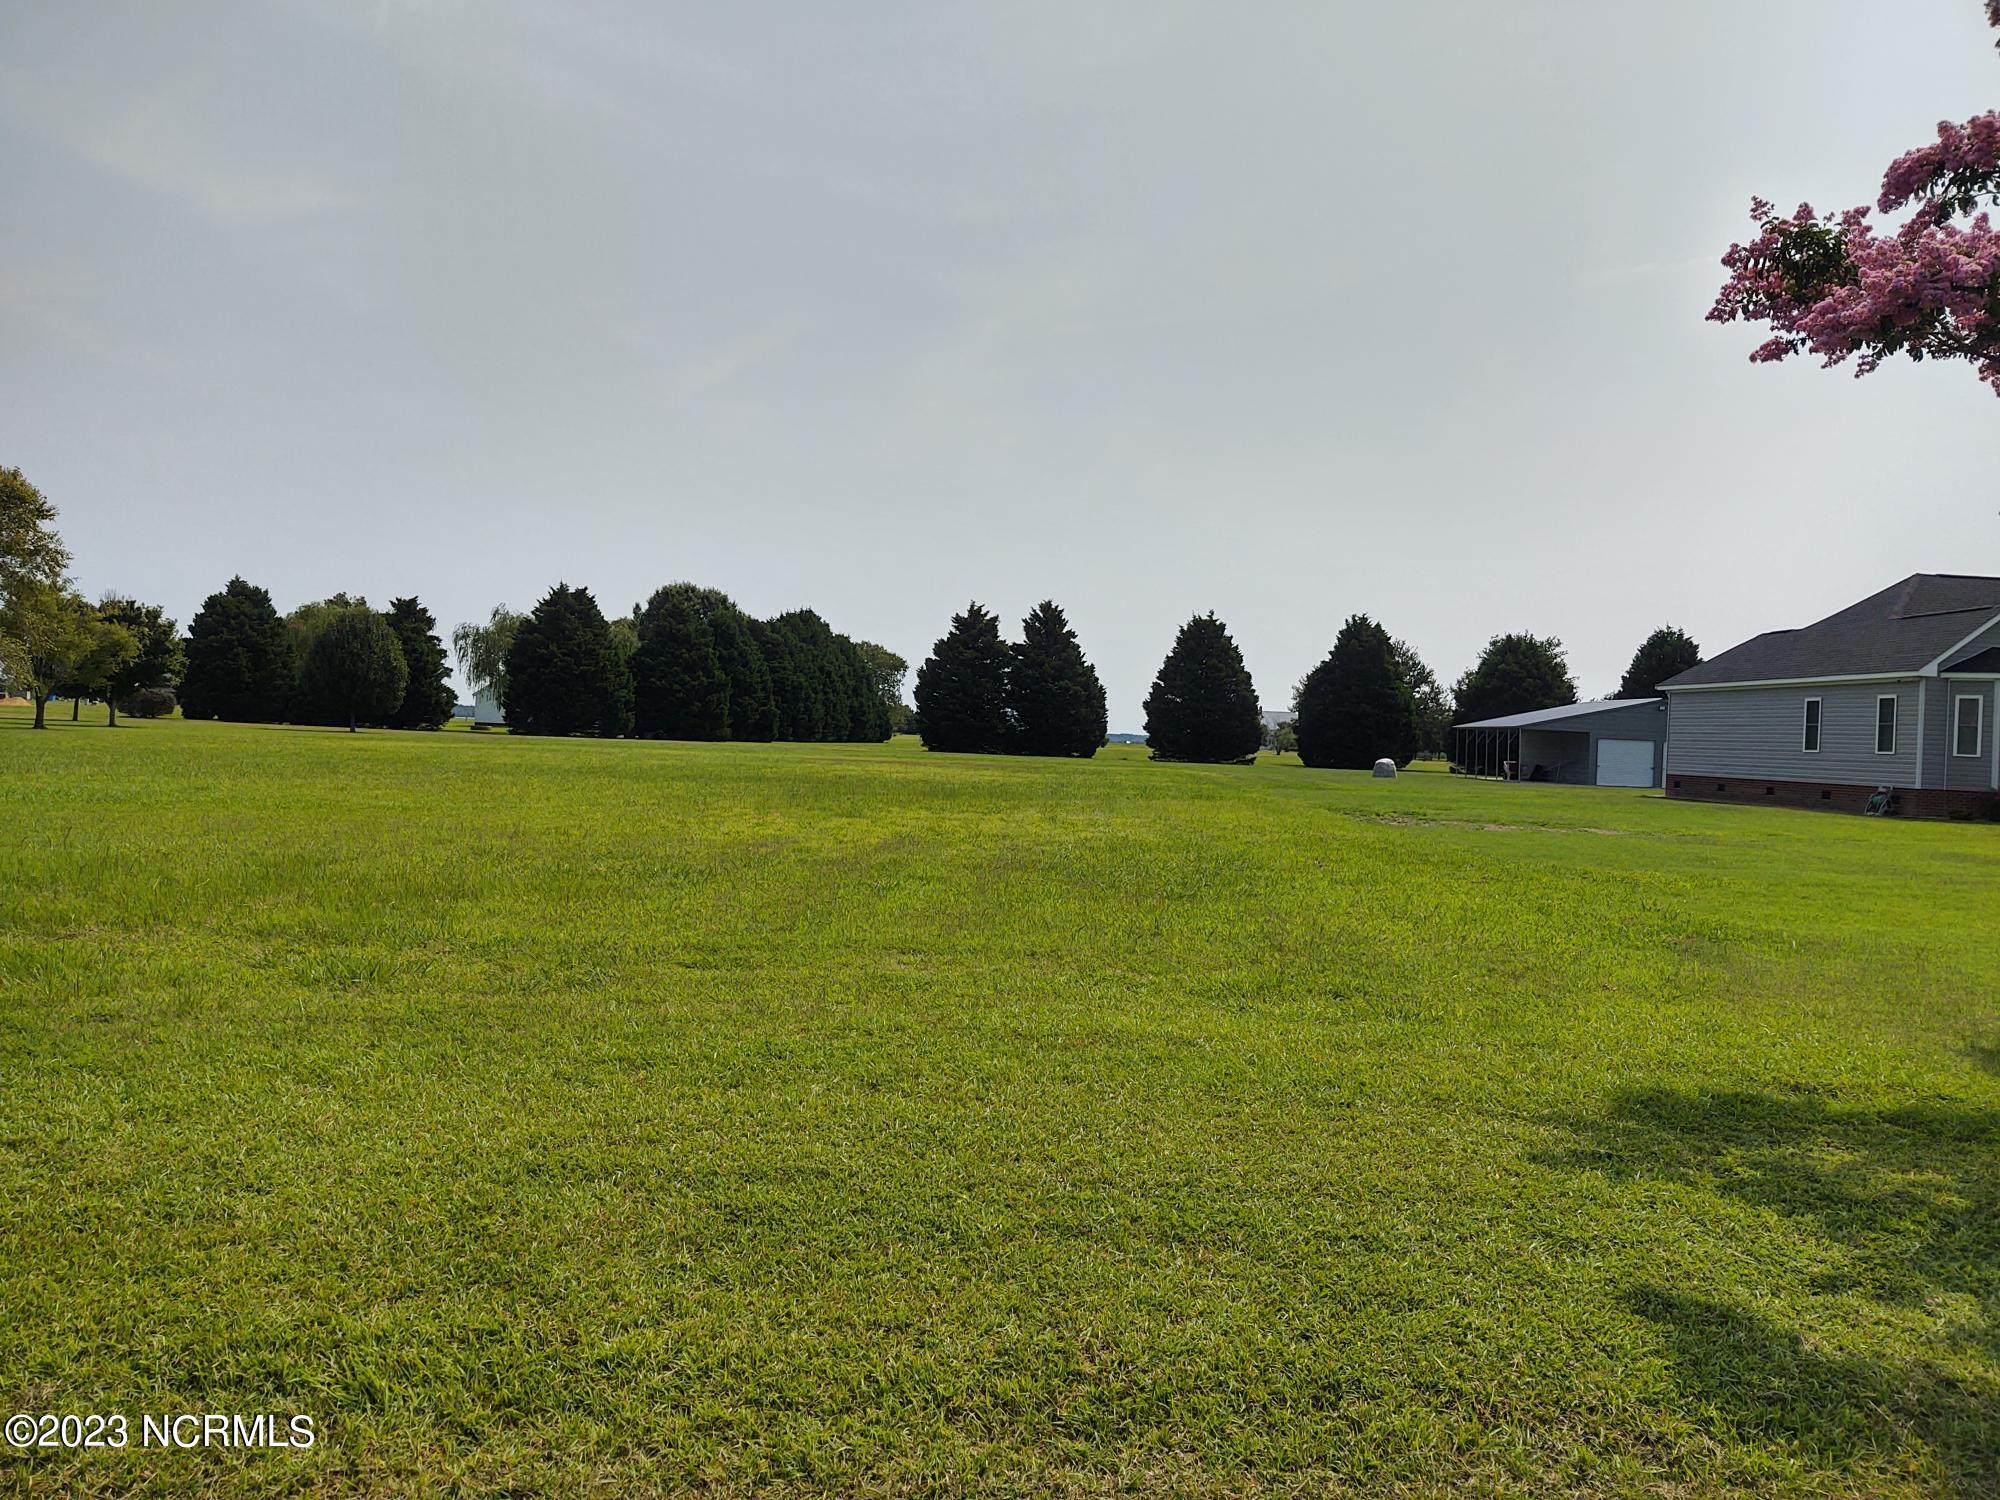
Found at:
[239, 658]
[1054, 697]
[1203, 706]
[158, 660]
[962, 688]
[51, 638]
[1516, 674]
[427, 698]
[882, 672]
[1285, 737]
[679, 690]
[482, 652]
[1432, 704]
[1355, 707]
[30, 550]
[355, 668]
[563, 671]
[1667, 652]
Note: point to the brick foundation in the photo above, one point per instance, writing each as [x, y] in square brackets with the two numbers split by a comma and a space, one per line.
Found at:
[1826, 796]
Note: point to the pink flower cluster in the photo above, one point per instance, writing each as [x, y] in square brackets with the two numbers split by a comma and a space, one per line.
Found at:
[1832, 286]
[1963, 165]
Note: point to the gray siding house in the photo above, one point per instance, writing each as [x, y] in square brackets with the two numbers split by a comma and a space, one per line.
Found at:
[1897, 691]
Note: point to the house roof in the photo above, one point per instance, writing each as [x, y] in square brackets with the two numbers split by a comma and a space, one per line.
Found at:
[1553, 715]
[1980, 661]
[1904, 628]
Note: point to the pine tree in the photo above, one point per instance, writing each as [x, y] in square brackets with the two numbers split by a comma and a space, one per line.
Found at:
[1355, 708]
[564, 675]
[1516, 674]
[1053, 693]
[428, 698]
[239, 659]
[355, 669]
[1203, 706]
[679, 689]
[962, 689]
[1667, 652]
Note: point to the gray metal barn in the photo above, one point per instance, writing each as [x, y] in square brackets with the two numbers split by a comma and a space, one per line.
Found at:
[1610, 742]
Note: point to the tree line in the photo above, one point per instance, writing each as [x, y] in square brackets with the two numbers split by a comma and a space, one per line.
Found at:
[688, 663]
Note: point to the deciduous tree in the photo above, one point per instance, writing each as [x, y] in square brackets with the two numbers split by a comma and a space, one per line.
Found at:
[1516, 674]
[1433, 706]
[482, 652]
[51, 638]
[355, 668]
[1833, 286]
[30, 550]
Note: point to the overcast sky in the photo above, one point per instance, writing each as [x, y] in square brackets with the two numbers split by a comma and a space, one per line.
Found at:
[1284, 311]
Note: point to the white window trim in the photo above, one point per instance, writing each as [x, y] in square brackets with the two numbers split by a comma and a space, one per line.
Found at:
[1978, 702]
[1819, 726]
[1895, 723]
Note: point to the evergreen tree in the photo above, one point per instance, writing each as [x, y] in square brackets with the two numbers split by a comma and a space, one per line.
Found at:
[1054, 696]
[239, 659]
[962, 689]
[1667, 652]
[157, 663]
[797, 712]
[679, 690]
[1203, 706]
[753, 714]
[354, 670]
[1516, 674]
[1355, 707]
[563, 671]
[427, 699]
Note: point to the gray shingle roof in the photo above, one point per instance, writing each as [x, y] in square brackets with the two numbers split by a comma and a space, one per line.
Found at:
[1549, 715]
[1904, 628]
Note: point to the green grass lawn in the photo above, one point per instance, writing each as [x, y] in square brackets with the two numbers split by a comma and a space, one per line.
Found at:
[600, 1118]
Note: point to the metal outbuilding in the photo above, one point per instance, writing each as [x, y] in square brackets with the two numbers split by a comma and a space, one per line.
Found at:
[1609, 742]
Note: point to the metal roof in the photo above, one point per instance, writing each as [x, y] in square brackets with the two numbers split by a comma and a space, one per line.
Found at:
[1903, 629]
[1561, 711]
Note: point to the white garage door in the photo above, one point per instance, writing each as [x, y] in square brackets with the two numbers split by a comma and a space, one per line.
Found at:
[1624, 762]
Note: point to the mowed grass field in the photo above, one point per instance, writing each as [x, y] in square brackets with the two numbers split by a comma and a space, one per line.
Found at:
[588, 1118]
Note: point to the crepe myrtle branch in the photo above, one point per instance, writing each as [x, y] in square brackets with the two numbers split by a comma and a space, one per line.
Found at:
[1836, 286]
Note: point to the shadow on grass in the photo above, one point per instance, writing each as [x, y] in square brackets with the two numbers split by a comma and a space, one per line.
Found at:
[1908, 1198]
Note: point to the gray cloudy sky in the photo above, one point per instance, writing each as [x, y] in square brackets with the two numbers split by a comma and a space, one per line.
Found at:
[1285, 311]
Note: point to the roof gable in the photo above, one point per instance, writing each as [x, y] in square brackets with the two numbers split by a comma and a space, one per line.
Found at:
[1902, 629]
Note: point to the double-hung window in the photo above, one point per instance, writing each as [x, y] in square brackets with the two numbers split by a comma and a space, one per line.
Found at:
[1967, 712]
[1885, 724]
[1809, 736]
